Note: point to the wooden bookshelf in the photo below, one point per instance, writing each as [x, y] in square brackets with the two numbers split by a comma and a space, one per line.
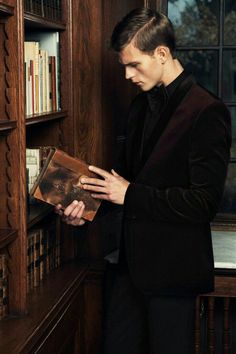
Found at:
[6, 237]
[7, 126]
[37, 22]
[38, 315]
[45, 307]
[45, 117]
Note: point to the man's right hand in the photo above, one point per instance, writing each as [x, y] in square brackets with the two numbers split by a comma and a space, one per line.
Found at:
[72, 215]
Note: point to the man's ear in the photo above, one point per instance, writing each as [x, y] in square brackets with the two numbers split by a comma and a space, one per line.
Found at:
[162, 53]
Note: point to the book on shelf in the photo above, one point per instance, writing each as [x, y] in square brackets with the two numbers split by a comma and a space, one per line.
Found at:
[43, 253]
[42, 72]
[35, 158]
[59, 182]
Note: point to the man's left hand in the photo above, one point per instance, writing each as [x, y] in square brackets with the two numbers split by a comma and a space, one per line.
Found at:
[111, 188]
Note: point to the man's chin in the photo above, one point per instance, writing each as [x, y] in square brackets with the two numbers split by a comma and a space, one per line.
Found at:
[146, 87]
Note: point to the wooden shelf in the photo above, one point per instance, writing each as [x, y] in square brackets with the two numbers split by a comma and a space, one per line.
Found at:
[36, 22]
[6, 10]
[7, 125]
[45, 117]
[46, 304]
[38, 213]
[7, 236]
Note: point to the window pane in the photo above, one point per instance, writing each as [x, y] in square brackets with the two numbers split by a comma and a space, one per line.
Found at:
[229, 22]
[233, 116]
[196, 22]
[203, 64]
[229, 75]
[228, 204]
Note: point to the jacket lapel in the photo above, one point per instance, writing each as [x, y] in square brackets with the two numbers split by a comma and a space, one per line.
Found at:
[169, 128]
[166, 116]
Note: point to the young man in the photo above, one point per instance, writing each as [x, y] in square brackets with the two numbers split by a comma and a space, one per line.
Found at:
[170, 186]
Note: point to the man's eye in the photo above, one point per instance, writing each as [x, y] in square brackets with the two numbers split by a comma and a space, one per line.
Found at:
[133, 65]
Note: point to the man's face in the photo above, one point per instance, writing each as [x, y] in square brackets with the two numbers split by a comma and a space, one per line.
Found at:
[142, 69]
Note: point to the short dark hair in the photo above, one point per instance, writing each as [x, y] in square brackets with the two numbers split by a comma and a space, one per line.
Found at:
[147, 28]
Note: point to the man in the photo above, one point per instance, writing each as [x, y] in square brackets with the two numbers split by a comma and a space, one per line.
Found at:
[170, 186]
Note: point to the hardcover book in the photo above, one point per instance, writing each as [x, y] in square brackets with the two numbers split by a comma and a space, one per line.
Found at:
[60, 182]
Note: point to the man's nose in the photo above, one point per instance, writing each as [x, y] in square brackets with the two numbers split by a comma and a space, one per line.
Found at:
[129, 73]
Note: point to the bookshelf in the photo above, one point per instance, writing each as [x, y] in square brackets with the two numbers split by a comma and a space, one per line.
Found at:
[38, 315]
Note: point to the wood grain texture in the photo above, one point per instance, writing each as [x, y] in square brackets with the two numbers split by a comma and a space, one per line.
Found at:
[87, 80]
[117, 93]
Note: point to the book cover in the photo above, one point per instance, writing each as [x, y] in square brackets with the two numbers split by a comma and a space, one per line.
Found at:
[59, 182]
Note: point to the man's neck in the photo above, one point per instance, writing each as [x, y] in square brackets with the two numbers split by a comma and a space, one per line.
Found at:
[173, 69]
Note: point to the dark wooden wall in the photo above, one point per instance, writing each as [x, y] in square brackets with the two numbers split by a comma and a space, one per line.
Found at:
[101, 95]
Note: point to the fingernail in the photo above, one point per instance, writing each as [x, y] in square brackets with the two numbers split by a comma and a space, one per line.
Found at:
[75, 202]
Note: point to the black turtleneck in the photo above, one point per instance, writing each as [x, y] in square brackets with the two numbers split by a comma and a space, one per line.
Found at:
[158, 99]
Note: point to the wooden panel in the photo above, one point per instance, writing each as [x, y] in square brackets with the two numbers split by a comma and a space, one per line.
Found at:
[87, 79]
[93, 313]
[117, 93]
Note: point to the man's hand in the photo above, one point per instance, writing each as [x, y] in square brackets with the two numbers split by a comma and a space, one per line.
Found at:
[72, 215]
[111, 188]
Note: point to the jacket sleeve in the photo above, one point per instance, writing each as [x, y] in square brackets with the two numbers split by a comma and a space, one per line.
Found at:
[210, 140]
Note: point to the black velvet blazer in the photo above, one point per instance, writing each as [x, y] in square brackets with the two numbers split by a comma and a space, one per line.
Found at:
[177, 182]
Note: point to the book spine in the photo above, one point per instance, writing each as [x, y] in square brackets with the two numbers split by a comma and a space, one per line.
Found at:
[53, 83]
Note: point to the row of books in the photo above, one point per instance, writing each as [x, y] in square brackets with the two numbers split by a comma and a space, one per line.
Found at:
[42, 79]
[49, 9]
[3, 285]
[43, 254]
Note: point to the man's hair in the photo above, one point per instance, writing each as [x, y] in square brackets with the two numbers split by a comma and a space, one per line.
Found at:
[146, 28]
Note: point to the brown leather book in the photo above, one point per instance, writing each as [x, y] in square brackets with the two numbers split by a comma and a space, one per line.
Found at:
[59, 182]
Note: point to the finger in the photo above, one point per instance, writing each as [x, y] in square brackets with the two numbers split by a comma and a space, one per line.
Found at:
[100, 196]
[71, 207]
[96, 181]
[92, 188]
[114, 173]
[75, 222]
[100, 171]
[77, 212]
[58, 207]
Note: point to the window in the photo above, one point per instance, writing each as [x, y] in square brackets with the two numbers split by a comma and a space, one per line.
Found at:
[206, 45]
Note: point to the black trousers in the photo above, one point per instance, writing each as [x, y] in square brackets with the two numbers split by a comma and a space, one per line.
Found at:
[135, 323]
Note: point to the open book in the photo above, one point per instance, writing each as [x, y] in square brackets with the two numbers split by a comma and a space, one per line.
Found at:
[59, 182]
